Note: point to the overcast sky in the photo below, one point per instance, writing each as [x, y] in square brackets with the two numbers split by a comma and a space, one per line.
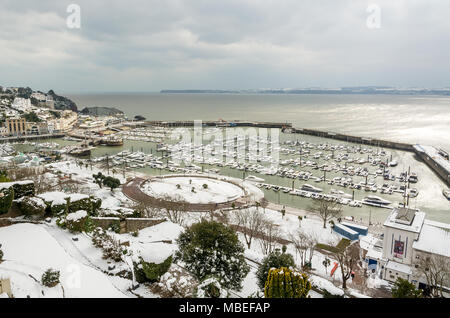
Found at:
[181, 44]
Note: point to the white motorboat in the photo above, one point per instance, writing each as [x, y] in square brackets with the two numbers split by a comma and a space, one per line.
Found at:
[253, 178]
[310, 188]
[375, 201]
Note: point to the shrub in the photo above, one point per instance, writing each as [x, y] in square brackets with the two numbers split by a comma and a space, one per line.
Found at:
[152, 272]
[286, 283]
[76, 221]
[275, 259]
[210, 288]
[115, 226]
[111, 182]
[405, 289]
[205, 186]
[111, 247]
[6, 198]
[211, 248]
[176, 282]
[1, 253]
[50, 278]
[23, 189]
[327, 294]
[32, 206]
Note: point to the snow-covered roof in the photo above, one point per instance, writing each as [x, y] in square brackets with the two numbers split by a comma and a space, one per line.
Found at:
[399, 267]
[348, 224]
[368, 241]
[434, 238]
[400, 218]
[375, 253]
[347, 229]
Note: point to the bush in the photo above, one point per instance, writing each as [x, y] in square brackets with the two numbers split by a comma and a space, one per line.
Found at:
[286, 283]
[50, 278]
[327, 294]
[405, 289]
[211, 248]
[6, 198]
[210, 288]
[275, 259]
[111, 248]
[115, 226]
[76, 222]
[1, 253]
[23, 189]
[32, 206]
[111, 182]
[152, 272]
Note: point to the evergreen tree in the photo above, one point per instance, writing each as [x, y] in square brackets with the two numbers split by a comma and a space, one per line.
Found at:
[275, 259]
[405, 289]
[286, 283]
[212, 248]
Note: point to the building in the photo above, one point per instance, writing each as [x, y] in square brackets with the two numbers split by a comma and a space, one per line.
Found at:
[407, 237]
[16, 126]
[64, 123]
[22, 104]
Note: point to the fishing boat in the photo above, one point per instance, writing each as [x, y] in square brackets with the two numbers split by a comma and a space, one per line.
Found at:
[80, 151]
[310, 188]
[114, 141]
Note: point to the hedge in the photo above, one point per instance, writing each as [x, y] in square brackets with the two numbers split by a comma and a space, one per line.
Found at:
[31, 206]
[89, 204]
[6, 198]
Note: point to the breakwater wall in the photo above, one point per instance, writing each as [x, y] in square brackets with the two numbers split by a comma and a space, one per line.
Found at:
[229, 123]
[355, 139]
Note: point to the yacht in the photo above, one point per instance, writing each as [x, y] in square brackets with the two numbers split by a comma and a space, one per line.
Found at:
[310, 188]
[375, 201]
[253, 178]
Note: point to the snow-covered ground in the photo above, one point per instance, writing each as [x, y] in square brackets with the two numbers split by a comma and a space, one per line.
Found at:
[216, 191]
[29, 250]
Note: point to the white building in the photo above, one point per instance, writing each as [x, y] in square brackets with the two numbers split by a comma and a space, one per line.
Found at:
[22, 104]
[408, 236]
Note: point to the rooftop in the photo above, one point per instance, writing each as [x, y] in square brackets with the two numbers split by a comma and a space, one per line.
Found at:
[434, 238]
[405, 219]
[399, 267]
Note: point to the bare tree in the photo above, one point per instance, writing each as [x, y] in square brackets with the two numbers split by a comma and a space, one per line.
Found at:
[327, 210]
[305, 245]
[300, 242]
[147, 210]
[269, 236]
[175, 209]
[250, 224]
[347, 259]
[436, 270]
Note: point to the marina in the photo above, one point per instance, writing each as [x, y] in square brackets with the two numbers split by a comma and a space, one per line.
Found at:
[345, 170]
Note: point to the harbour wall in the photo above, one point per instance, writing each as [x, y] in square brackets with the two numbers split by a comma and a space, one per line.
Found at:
[30, 137]
[229, 123]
